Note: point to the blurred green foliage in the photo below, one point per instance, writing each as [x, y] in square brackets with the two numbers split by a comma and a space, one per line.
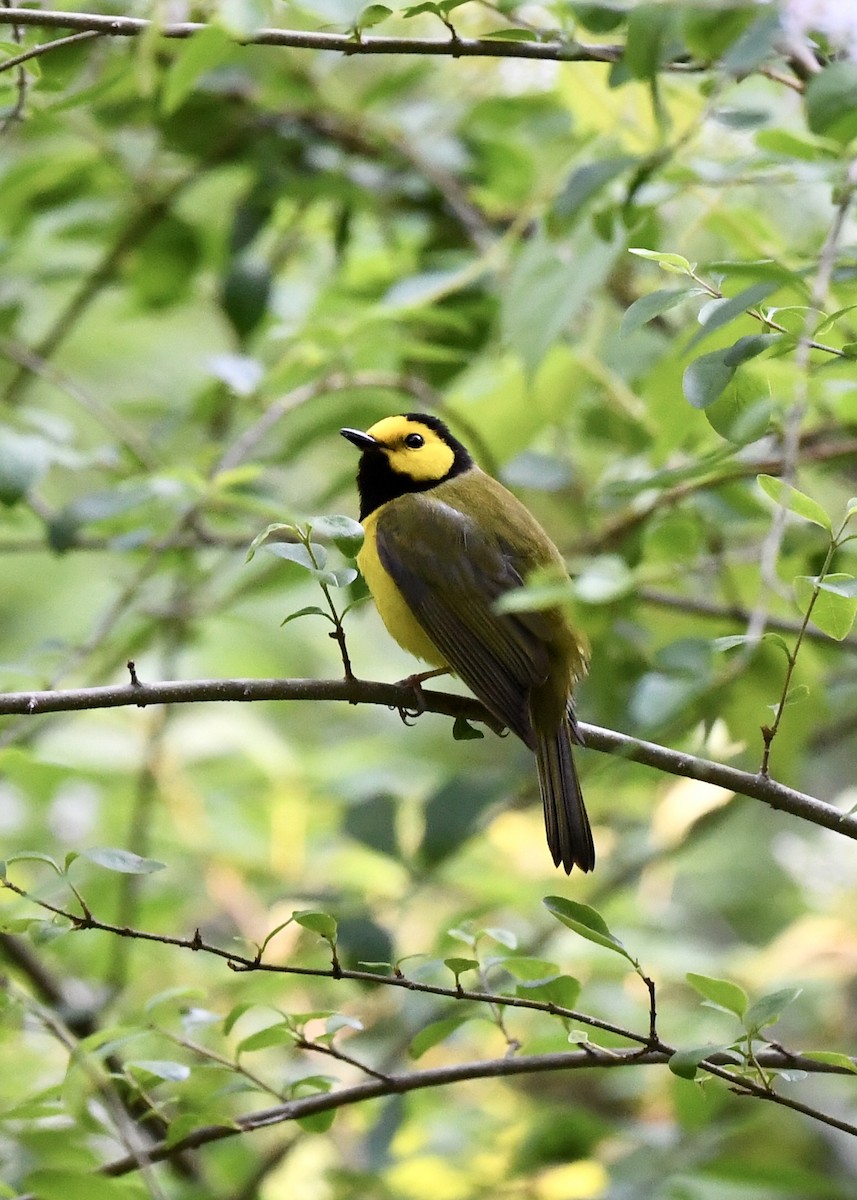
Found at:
[212, 256]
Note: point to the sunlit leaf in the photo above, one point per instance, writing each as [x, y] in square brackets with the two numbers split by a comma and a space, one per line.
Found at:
[722, 993]
[585, 921]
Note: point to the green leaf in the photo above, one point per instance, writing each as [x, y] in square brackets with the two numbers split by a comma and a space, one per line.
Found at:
[452, 815]
[582, 185]
[512, 35]
[34, 856]
[198, 55]
[23, 461]
[433, 1034]
[674, 263]
[587, 922]
[563, 991]
[373, 823]
[529, 970]
[372, 14]
[57, 1184]
[833, 1058]
[758, 42]
[416, 10]
[767, 1010]
[280, 1034]
[459, 965]
[296, 552]
[312, 610]
[707, 376]
[275, 532]
[123, 861]
[718, 313]
[722, 993]
[463, 731]
[345, 533]
[830, 100]
[546, 291]
[321, 923]
[603, 580]
[646, 308]
[797, 502]
[600, 18]
[835, 605]
[650, 39]
[685, 1063]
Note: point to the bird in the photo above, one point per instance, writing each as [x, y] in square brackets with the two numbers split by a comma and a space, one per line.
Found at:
[443, 542]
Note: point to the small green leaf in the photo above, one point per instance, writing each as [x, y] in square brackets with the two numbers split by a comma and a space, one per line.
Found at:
[833, 1058]
[433, 1034]
[198, 55]
[272, 1035]
[831, 101]
[504, 936]
[674, 263]
[34, 856]
[797, 502]
[603, 580]
[321, 923]
[463, 731]
[708, 376]
[296, 552]
[276, 532]
[512, 35]
[372, 14]
[529, 970]
[24, 458]
[768, 1009]
[459, 965]
[563, 991]
[646, 308]
[718, 313]
[586, 922]
[311, 610]
[416, 10]
[851, 508]
[123, 861]
[345, 533]
[685, 1063]
[722, 993]
[835, 605]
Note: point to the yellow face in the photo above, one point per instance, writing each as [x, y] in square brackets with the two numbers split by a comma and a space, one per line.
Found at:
[413, 449]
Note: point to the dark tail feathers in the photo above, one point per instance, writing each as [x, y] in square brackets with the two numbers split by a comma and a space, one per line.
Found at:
[566, 822]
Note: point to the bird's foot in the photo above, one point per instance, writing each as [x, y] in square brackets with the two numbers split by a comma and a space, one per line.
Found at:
[415, 684]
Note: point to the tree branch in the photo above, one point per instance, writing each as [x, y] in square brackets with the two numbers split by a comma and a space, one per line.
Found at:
[575, 1060]
[345, 43]
[401, 696]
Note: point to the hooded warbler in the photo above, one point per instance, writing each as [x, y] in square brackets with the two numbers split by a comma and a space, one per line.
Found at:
[443, 541]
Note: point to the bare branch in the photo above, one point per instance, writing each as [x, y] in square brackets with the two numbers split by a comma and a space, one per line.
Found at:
[85, 35]
[400, 696]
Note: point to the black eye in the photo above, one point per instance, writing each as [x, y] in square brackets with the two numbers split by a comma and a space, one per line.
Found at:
[414, 440]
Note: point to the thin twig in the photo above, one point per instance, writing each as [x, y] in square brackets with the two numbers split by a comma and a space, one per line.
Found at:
[45, 48]
[348, 43]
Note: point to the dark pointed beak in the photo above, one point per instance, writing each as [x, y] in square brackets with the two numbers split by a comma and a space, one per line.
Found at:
[361, 440]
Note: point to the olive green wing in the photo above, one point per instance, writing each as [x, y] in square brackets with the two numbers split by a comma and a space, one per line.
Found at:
[450, 574]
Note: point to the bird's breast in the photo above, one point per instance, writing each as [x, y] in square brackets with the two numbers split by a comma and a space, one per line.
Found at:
[400, 622]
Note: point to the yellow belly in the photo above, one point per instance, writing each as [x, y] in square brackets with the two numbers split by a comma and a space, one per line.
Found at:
[401, 624]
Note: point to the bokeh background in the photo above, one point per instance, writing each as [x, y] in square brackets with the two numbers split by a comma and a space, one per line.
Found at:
[214, 255]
